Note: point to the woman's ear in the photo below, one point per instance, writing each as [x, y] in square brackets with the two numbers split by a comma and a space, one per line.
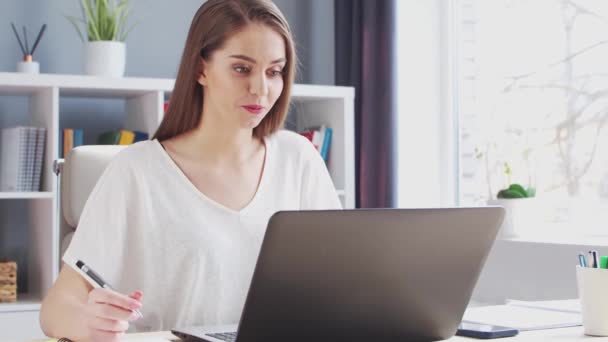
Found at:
[200, 72]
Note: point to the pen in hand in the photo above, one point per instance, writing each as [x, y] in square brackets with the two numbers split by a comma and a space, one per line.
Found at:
[98, 280]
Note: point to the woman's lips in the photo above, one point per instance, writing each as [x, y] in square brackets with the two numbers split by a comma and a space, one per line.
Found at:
[254, 109]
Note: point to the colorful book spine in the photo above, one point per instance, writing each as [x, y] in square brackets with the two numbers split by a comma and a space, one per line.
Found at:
[321, 137]
[78, 137]
[121, 137]
[326, 143]
[126, 137]
[31, 156]
[140, 136]
[109, 138]
[40, 149]
[307, 134]
[68, 141]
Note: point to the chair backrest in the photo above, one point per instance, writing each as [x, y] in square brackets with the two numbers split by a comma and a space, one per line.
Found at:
[80, 172]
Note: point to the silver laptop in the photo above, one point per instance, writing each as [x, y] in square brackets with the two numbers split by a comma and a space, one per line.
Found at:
[362, 275]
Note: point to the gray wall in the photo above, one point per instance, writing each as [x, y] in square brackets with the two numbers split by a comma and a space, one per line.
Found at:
[155, 45]
[154, 48]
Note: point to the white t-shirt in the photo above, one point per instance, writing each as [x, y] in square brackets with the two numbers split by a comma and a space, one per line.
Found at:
[146, 226]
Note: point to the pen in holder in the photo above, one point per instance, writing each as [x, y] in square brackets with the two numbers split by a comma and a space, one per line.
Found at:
[592, 284]
[28, 65]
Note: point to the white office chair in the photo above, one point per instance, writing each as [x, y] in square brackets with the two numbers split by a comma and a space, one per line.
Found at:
[77, 175]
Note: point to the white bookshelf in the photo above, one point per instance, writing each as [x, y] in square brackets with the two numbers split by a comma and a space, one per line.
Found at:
[312, 105]
[26, 195]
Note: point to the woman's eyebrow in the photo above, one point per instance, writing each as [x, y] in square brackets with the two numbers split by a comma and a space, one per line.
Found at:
[249, 59]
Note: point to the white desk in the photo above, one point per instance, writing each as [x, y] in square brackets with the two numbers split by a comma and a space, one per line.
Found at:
[562, 335]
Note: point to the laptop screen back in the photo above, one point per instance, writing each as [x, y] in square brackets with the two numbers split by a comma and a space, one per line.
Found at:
[367, 274]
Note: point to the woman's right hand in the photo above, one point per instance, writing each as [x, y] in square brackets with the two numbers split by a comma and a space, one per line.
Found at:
[108, 313]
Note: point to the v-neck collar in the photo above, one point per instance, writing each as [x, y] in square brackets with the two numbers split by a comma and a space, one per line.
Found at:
[258, 193]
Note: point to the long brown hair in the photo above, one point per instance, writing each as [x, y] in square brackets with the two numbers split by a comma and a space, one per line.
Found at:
[214, 23]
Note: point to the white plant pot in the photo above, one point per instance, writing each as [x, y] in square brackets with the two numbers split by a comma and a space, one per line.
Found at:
[105, 58]
[521, 216]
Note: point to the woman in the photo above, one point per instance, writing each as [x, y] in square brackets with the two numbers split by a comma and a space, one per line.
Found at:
[180, 218]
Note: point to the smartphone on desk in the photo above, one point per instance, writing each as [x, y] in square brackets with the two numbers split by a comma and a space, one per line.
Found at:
[485, 331]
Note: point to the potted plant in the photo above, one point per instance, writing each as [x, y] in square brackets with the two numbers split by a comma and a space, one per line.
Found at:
[105, 27]
[519, 203]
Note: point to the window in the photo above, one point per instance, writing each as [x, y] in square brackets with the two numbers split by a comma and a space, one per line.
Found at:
[533, 107]
[418, 102]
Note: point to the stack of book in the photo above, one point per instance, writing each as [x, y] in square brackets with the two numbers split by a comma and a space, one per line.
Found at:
[320, 137]
[121, 137]
[21, 156]
[71, 137]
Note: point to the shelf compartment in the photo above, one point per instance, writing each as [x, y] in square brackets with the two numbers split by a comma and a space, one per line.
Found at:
[25, 302]
[31, 239]
[27, 195]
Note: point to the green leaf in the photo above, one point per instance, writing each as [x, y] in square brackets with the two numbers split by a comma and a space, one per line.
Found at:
[501, 193]
[115, 19]
[519, 189]
[111, 23]
[103, 19]
[122, 21]
[508, 193]
[122, 13]
[84, 14]
[121, 7]
[91, 21]
[531, 192]
[100, 12]
[124, 32]
[124, 35]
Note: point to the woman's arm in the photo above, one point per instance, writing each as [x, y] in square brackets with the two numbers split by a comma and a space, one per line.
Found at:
[73, 309]
[61, 311]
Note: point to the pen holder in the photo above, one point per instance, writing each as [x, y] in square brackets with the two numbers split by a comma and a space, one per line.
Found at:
[592, 285]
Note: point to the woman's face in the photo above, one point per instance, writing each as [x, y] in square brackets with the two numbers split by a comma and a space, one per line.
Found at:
[244, 78]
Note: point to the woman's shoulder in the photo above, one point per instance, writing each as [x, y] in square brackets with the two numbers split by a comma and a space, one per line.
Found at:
[292, 146]
[138, 150]
[136, 156]
[289, 140]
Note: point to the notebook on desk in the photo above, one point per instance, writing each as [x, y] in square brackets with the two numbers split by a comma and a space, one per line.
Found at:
[564, 305]
[526, 316]
[362, 275]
